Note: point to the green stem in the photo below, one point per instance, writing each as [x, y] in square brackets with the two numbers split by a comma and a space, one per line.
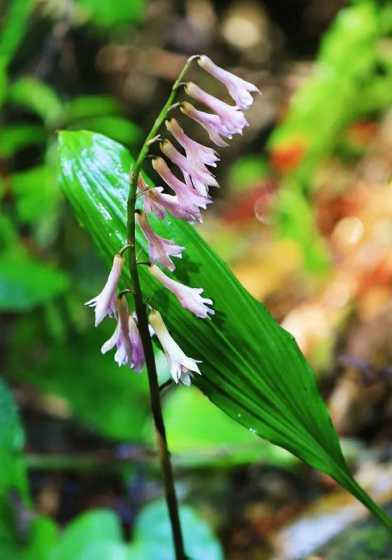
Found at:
[141, 313]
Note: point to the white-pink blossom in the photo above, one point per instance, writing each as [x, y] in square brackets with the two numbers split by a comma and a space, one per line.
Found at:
[159, 249]
[159, 203]
[189, 298]
[195, 151]
[180, 365]
[240, 90]
[187, 197]
[201, 176]
[120, 338]
[104, 303]
[137, 355]
[232, 119]
[212, 124]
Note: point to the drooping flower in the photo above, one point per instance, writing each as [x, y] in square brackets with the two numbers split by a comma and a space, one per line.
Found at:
[138, 359]
[180, 365]
[212, 124]
[240, 90]
[120, 338]
[201, 177]
[195, 152]
[159, 249]
[188, 197]
[189, 298]
[158, 203]
[104, 303]
[232, 119]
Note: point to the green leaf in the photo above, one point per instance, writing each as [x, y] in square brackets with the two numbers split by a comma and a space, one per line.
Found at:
[153, 537]
[227, 444]
[252, 368]
[26, 283]
[98, 526]
[11, 34]
[36, 193]
[38, 201]
[12, 472]
[13, 482]
[86, 106]
[14, 27]
[117, 128]
[37, 97]
[18, 136]
[105, 550]
[43, 537]
[108, 14]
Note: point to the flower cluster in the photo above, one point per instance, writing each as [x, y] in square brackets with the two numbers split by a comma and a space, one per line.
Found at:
[188, 197]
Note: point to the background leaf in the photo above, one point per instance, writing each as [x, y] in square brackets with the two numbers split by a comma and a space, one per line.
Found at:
[38, 97]
[13, 483]
[115, 127]
[153, 537]
[189, 416]
[12, 473]
[26, 283]
[11, 34]
[108, 14]
[101, 527]
[86, 106]
[252, 368]
[18, 136]
[44, 536]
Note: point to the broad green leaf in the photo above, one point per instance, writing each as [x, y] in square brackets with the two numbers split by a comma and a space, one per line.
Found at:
[101, 526]
[18, 136]
[153, 537]
[86, 106]
[26, 283]
[37, 97]
[252, 368]
[227, 444]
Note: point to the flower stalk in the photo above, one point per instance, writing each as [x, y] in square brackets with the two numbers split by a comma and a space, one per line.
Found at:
[142, 319]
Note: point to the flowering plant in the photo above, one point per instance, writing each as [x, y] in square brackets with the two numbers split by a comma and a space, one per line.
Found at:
[240, 357]
[132, 335]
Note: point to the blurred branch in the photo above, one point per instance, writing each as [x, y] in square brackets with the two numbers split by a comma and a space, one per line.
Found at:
[116, 459]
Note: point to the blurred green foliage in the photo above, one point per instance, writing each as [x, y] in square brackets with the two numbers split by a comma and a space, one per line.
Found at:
[93, 535]
[352, 80]
[13, 483]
